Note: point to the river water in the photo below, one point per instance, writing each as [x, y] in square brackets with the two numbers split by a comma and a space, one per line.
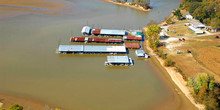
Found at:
[29, 66]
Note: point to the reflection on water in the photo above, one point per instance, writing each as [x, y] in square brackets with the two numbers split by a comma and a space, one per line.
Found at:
[30, 67]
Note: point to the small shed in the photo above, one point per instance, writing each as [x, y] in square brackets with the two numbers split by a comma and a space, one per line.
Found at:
[188, 16]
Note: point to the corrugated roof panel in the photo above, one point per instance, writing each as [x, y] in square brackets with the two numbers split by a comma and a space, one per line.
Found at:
[91, 48]
[118, 59]
[112, 32]
[140, 53]
[71, 48]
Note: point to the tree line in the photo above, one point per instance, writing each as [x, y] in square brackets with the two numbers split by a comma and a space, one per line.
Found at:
[206, 11]
[143, 3]
[205, 90]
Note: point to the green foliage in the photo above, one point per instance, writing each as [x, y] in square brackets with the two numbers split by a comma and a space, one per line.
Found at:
[178, 14]
[169, 62]
[215, 23]
[207, 11]
[153, 37]
[161, 54]
[143, 3]
[16, 107]
[205, 90]
[153, 29]
[181, 5]
[193, 7]
[169, 21]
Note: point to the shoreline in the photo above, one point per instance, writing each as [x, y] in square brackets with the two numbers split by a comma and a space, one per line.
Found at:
[176, 77]
[7, 100]
[10, 9]
[128, 5]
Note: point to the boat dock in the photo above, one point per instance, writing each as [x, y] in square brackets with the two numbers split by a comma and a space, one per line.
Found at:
[141, 53]
[91, 49]
[119, 60]
[132, 45]
[95, 40]
[132, 38]
[86, 30]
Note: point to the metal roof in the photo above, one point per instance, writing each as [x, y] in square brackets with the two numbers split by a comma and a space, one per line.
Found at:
[112, 32]
[85, 29]
[140, 52]
[196, 30]
[91, 48]
[71, 48]
[196, 23]
[97, 48]
[118, 59]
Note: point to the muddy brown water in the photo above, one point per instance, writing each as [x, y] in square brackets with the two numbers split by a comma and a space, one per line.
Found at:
[30, 68]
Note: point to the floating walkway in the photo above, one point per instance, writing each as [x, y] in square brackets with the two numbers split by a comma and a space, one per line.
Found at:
[119, 61]
[91, 49]
[95, 40]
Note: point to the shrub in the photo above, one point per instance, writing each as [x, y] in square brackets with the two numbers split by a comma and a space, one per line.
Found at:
[169, 62]
[16, 107]
[161, 54]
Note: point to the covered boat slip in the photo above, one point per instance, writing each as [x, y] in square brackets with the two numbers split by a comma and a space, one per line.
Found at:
[141, 53]
[86, 30]
[118, 60]
[91, 49]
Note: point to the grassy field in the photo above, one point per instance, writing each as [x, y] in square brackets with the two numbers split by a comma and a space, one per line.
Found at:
[180, 30]
[203, 59]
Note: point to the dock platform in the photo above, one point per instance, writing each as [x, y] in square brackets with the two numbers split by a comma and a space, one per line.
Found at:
[119, 61]
[95, 40]
[91, 49]
[141, 53]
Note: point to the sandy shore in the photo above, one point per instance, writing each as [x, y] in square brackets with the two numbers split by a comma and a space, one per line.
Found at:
[128, 5]
[10, 8]
[176, 77]
[6, 101]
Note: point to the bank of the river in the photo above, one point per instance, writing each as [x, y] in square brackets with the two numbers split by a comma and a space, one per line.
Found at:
[6, 101]
[50, 79]
[176, 77]
[10, 8]
[128, 5]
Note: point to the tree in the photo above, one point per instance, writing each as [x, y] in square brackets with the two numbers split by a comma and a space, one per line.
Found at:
[178, 14]
[215, 23]
[205, 90]
[193, 7]
[152, 29]
[16, 107]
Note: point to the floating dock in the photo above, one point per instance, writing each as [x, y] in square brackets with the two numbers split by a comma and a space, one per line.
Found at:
[132, 45]
[91, 49]
[132, 38]
[141, 53]
[95, 40]
[86, 30]
[119, 60]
